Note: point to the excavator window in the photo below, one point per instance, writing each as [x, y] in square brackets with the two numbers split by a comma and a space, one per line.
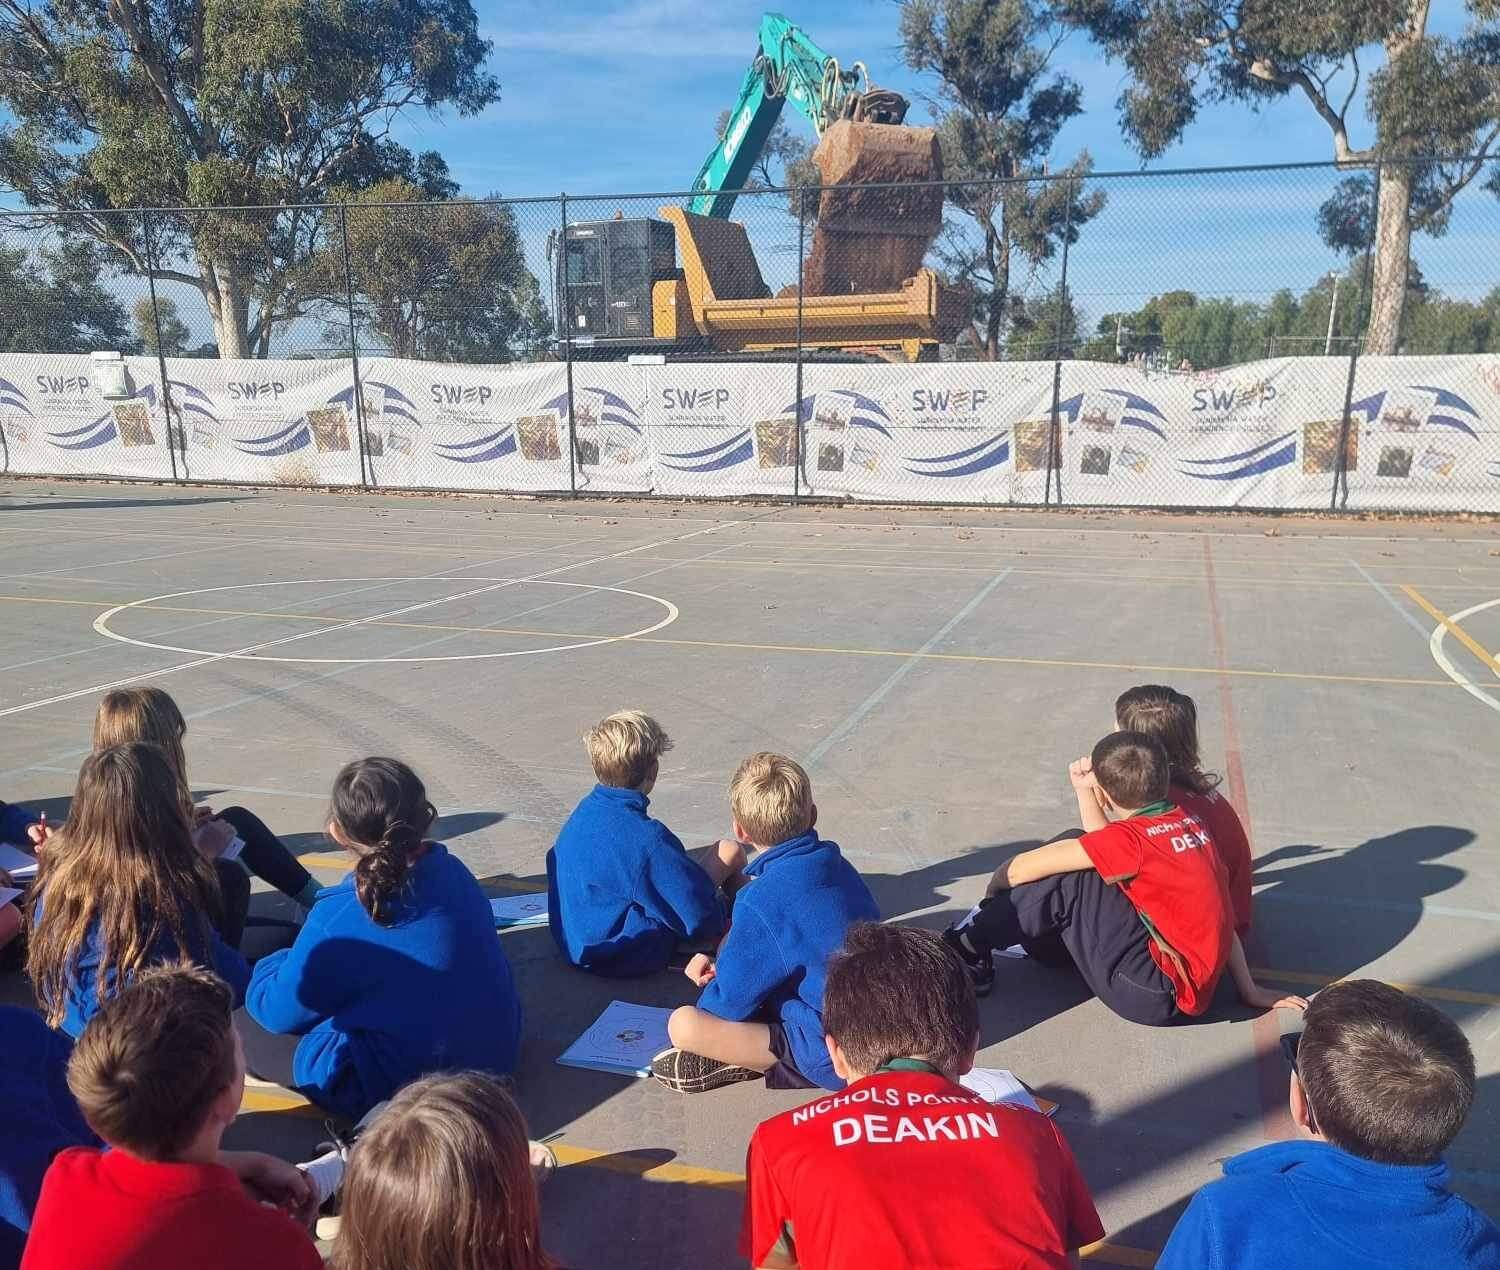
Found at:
[585, 263]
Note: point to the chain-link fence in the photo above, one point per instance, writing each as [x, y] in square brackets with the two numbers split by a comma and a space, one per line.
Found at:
[1301, 336]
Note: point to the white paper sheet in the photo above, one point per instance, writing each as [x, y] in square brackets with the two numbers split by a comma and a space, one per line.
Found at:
[624, 1039]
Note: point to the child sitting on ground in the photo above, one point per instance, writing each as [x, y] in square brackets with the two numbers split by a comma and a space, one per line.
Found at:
[159, 1075]
[443, 1181]
[24, 828]
[1172, 718]
[906, 1167]
[1139, 903]
[622, 891]
[761, 1012]
[397, 972]
[1382, 1084]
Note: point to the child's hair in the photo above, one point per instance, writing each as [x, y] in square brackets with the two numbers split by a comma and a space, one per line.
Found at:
[1387, 1076]
[124, 860]
[899, 992]
[771, 797]
[142, 714]
[1172, 718]
[149, 1065]
[1132, 768]
[381, 805]
[624, 747]
[442, 1181]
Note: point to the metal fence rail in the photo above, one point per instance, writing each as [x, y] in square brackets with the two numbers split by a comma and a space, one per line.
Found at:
[1187, 338]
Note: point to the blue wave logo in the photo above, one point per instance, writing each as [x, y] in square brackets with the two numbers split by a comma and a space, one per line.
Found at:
[393, 401]
[977, 458]
[1444, 404]
[12, 396]
[1137, 412]
[714, 458]
[288, 440]
[841, 407]
[191, 401]
[100, 432]
[480, 450]
[1266, 457]
[614, 409]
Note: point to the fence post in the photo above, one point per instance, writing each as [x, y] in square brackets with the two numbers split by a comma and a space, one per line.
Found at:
[567, 321]
[161, 357]
[797, 372]
[1361, 318]
[366, 469]
[1054, 461]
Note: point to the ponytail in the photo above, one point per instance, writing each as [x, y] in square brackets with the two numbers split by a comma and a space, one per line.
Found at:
[381, 806]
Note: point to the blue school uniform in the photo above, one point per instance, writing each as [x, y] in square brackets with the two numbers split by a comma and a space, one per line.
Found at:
[787, 922]
[41, 1119]
[1309, 1206]
[83, 999]
[622, 890]
[13, 822]
[377, 1006]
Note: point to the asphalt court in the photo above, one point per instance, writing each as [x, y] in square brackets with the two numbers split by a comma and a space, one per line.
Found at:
[935, 669]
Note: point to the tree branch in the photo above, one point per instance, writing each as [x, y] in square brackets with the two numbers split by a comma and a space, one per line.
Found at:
[144, 49]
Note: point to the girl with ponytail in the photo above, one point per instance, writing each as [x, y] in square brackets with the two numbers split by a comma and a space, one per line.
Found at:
[397, 972]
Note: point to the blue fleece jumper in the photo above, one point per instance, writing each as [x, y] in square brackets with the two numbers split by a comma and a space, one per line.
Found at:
[13, 821]
[622, 890]
[1309, 1206]
[41, 1119]
[83, 999]
[787, 922]
[377, 1006]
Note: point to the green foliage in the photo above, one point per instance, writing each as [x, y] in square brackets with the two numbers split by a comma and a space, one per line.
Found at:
[224, 104]
[51, 301]
[999, 108]
[174, 331]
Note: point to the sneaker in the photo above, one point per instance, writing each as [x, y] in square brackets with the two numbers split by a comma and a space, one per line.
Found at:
[694, 1074]
[981, 966]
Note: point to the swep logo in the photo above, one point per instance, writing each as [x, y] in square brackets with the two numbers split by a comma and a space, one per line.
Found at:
[63, 385]
[1222, 398]
[460, 394]
[254, 389]
[948, 401]
[689, 399]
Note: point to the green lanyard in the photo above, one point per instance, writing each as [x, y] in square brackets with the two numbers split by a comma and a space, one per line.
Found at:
[909, 1065]
[1156, 809]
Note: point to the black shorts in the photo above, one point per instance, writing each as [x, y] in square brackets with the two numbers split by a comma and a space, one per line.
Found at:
[785, 1074]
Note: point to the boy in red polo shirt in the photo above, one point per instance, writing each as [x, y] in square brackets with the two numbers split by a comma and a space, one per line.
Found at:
[839, 1184]
[158, 1074]
[1140, 903]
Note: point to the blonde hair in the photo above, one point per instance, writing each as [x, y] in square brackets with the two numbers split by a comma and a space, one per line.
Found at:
[124, 862]
[771, 798]
[623, 747]
[142, 714]
[442, 1181]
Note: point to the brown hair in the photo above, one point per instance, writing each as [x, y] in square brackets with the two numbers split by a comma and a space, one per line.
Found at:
[149, 1065]
[771, 797]
[124, 863]
[899, 992]
[1132, 769]
[142, 714]
[442, 1181]
[624, 747]
[1172, 718]
[381, 805]
[1387, 1076]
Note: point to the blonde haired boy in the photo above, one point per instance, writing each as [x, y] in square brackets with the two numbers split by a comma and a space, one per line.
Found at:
[622, 888]
[761, 1012]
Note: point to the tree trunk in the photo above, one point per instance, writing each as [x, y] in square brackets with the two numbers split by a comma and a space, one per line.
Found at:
[1392, 261]
[229, 305]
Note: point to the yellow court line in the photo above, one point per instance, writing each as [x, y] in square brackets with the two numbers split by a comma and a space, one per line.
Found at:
[1460, 995]
[1457, 631]
[282, 1101]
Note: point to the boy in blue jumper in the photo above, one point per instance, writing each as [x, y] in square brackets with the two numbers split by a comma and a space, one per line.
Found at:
[1382, 1084]
[761, 1012]
[622, 891]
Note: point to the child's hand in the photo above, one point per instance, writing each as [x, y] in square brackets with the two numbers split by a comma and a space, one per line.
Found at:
[1081, 774]
[201, 813]
[274, 1181]
[700, 969]
[212, 837]
[1270, 999]
[39, 832]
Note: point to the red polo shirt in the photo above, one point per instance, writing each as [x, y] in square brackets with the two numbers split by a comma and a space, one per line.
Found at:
[1224, 827]
[1165, 861]
[110, 1211]
[905, 1168]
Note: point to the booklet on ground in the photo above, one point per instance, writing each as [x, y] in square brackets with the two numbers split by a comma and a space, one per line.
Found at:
[8, 893]
[624, 1040]
[21, 866]
[519, 910]
[995, 1084]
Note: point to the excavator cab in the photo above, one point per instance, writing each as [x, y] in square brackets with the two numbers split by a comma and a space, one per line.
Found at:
[605, 275]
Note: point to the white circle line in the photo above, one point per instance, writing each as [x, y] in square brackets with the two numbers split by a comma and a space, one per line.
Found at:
[1439, 655]
[101, 623]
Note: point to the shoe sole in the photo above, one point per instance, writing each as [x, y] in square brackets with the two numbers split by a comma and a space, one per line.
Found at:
[717, 1077]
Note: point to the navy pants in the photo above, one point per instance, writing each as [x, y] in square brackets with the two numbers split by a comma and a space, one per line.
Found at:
[264, 855]
[1079, 918]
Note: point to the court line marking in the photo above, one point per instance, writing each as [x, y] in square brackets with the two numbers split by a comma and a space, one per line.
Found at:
[101, 623]
[856, 716]
[217, 657]
[1403, 613]
[1461, 995]
[110, 564]
[1440, 655]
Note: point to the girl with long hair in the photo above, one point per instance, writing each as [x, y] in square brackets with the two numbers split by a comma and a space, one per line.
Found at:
[397, 971]
[442, 1180]
[121, 887]
[149, 714]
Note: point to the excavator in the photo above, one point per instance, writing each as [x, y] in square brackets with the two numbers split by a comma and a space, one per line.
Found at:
[622, 292]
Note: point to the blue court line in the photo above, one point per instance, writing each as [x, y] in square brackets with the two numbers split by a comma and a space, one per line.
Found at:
[1401, 611]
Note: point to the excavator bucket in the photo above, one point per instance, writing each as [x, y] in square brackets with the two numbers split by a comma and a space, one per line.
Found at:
[874, 239]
